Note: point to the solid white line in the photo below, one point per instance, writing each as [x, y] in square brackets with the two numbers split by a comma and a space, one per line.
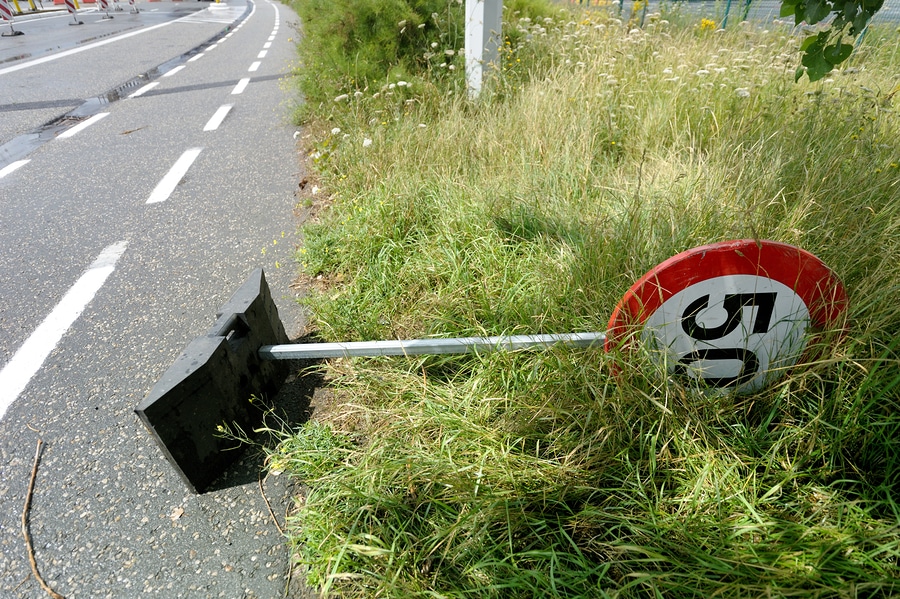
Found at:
[144, 89]
[65, 53]
[254, 66]
[240, 87]
[218, 117]
[168, 183]
[267, 45]
[82, 126]
[12, 167]
[196, 57]
[17, 373]
[173, 71]
[262, 54]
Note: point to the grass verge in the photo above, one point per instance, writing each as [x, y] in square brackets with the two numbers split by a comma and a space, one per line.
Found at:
[597, 151]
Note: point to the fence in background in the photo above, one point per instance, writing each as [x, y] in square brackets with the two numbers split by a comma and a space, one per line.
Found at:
[734, 11]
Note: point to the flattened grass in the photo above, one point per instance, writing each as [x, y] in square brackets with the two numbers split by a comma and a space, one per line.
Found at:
[597, 153]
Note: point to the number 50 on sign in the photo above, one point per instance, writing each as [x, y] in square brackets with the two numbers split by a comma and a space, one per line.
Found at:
[734, 314]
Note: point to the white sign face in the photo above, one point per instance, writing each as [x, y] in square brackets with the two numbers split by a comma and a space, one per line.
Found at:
[735, 331]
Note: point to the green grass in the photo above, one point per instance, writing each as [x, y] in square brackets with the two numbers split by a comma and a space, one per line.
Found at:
[595, 154]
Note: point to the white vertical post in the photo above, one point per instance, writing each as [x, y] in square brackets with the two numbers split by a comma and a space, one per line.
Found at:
[483, 38]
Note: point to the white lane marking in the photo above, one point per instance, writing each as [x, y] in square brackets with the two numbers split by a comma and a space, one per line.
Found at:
[173, 71]
[12, 167]
[218, 117]
[195, 57]
[254, 66]
[63, 54]
[240, 87]
[271, 38]
[213, 47]
[267, 45]
[167, 185]
[29, 358]
[82, 125]
[262, 53]
[144, 89]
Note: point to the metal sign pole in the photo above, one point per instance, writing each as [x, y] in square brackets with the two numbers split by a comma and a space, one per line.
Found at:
[483, 33]
[422, 347]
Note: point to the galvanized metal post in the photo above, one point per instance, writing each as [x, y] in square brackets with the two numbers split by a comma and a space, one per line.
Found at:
[483, 39]
[421, 347]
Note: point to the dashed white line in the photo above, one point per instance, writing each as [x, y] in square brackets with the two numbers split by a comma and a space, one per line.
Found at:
[254, 66]
[218, 117]
[167, 185]
[173, 71]
[19, 371]
[82, 126]
[241, 86]
[267, 45]
[144, 89]
[213, 47]
[9, 168]
[271, 38]
[262, 53]
[195, 57]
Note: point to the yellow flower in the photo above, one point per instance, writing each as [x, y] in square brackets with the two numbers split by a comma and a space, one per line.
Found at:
[707, 25]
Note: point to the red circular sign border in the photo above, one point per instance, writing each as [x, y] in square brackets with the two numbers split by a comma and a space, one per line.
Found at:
[815, 283]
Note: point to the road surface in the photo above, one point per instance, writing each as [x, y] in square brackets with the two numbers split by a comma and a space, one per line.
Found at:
[166, 174]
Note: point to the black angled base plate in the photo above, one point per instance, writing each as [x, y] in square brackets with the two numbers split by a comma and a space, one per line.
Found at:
[211, 383]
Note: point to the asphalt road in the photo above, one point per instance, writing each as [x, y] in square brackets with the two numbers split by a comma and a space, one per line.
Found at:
[101, 290]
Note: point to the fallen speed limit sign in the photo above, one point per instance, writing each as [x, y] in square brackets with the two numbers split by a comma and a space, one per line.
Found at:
[735, 314]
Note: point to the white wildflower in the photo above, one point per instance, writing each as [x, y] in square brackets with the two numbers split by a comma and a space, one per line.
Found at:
[449, 52]
[742, 92]
[335, 131]
[367, 142]
[315, 190]
[434, 44]
[342, 97]
[402, 84]
[702, 72]
[422, 125]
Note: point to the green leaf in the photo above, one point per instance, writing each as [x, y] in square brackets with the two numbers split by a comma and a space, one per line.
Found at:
[859, 23]
[799, 73]
[837, 53]
[787, 9]
[816, 65]
[808, 42]
[816, 10]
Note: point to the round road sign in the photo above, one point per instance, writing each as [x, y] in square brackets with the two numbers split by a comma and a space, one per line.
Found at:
[735, 314]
